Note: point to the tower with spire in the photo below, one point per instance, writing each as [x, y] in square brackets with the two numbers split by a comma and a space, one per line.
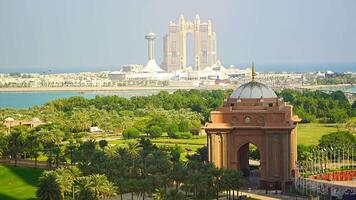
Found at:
[151, 65]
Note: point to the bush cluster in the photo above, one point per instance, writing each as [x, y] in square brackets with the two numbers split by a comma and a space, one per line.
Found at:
[181, 135]
[131, 133]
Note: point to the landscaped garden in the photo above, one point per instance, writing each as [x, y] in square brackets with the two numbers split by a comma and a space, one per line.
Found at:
[170, 121]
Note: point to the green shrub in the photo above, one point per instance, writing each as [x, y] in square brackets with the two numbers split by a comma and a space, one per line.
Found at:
[195, 131]
[337, 140]
[103, 143]
[154, 131]
[183, 126]
[172, 129]
[131, 133]
[182, 135]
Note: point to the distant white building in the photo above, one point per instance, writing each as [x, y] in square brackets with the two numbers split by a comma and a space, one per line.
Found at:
[95, 129]
[151, 71]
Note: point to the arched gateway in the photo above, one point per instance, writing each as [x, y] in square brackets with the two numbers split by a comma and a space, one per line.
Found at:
[254, 114]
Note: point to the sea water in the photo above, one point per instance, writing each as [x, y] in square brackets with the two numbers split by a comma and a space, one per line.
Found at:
[29, 99]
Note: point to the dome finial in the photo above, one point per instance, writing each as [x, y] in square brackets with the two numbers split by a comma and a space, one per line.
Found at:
[253, 71]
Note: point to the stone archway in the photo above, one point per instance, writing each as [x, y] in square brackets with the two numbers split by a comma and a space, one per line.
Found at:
[244, 159]
[240, 146]
[250, 165]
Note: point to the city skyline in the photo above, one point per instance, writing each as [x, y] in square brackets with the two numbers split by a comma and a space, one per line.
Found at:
[57, 36]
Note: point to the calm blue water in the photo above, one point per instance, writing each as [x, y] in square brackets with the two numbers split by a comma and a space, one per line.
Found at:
[29, 99]
[349, 89]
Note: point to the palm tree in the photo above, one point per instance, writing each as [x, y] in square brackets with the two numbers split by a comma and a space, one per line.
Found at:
[49, 187]
[70, 150]
[226, 180]
[51, 138]
[3, 143]
[33, 145]
[96, 186]
[169, 195]
[217, 179]
[65, 179]
[87, 150]
[16, 142]
[75, 176]
[132, 149]
[175, 195]
[197, 182]
[133, 155]
[178, 173]
[232, 180]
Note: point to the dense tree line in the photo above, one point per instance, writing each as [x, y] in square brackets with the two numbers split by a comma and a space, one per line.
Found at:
[318, 105]
[143, 168]
[140, 169]
[113, 113]
[150, 115]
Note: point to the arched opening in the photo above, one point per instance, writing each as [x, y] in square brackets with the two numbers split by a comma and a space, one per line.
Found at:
[248, 159]
[190, 50]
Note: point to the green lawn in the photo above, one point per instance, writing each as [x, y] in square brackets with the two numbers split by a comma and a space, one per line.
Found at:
[18, 182]
[188, 145]
[310, 133]
[196, 140]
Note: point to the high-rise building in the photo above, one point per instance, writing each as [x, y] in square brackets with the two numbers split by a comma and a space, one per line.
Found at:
[175, 47]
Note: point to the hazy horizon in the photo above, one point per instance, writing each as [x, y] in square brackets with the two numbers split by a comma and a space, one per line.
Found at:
[93, 35]
[264, 67]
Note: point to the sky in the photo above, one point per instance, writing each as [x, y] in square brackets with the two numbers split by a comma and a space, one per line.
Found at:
[84, 35]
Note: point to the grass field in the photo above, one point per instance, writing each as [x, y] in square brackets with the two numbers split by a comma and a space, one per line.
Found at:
[310, 133]
[18, 182]
[188, 145]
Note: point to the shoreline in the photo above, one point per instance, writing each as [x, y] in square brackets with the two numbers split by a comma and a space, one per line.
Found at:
[140, 88]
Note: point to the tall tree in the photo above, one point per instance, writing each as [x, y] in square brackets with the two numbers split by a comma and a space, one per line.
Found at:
[16, 142]
[48, 187]
[95, 187]
[3, 143]
[33, 145]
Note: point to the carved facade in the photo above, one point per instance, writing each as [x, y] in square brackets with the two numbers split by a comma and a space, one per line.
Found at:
[267, 122]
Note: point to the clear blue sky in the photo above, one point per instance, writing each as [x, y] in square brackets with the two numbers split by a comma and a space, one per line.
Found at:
[96, 34]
